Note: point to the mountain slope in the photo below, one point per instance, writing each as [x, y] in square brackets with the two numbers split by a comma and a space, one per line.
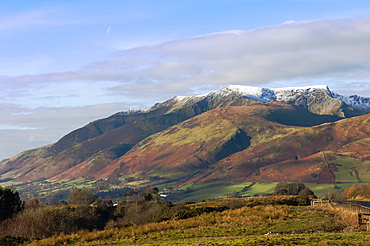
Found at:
[205, 129]
[109, 138]
[199, 142]
[317, 99]
[328, 153]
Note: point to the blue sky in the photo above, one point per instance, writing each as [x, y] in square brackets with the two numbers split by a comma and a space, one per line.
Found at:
[66, 63]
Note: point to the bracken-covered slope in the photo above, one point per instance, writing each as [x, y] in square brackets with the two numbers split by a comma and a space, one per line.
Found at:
[242, 144]
[198, 143]
[237, 133]
[95, 145]
[329, 153]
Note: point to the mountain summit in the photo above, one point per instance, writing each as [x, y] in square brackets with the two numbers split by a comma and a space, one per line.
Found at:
[294, 95]
[240, 133]
[318, 99]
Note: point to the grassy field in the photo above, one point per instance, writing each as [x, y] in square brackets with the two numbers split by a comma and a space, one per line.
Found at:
[215, 190]
[251, 221]
[322, 190]
[191, 192]
[205, 191]
[259, 189]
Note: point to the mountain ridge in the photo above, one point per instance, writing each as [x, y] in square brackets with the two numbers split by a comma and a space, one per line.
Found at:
[167, 143]
[261, 94]
[337, 105]
[284, 94]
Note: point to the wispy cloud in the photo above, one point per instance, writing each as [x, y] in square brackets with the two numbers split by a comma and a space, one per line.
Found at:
[42, 17]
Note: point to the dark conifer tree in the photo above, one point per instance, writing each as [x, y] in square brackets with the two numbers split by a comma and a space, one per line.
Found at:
[10, 203]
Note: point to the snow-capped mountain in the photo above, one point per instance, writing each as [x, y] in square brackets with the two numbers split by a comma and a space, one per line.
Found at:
[318, 99]
[286, 94]
[356, 102]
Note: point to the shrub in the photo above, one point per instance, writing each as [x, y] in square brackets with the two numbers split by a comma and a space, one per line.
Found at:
[33, 202]
[10, 241]
[83, 197]
[45, 221]
[39, 222]
[145, 212]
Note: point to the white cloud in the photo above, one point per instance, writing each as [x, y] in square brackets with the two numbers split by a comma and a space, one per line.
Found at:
[314, 49]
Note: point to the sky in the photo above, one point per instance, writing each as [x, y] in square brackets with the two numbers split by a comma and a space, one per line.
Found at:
[66, 63]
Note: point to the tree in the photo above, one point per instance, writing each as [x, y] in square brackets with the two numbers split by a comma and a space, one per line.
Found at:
[83, 197]
[150, 194]
[357, 192]
[293, 189]
[33, 202]
[10, 203]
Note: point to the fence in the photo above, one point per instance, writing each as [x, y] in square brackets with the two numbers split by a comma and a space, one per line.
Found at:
[319, 202]
[352, 207]
[363, 212]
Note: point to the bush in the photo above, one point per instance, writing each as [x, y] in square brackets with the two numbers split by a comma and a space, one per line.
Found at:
[145, 212]
[45, 221]
[83, 197]
[10, 241]
[39, 222]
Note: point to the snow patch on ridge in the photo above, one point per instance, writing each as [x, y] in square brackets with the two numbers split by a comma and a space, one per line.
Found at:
[284, 94]
[279, 94]
[354, 101]
[130, 112]
[187, 98]
[287, 94]
[256, 93]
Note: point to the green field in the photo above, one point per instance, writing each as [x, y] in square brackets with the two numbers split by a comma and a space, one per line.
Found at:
[190, 192]
[259, 189]
[206, 191]
[200, 192]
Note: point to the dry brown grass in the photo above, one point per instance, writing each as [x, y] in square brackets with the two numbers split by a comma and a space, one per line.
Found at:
[228, 224]
[347, 216]
[249, 217]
